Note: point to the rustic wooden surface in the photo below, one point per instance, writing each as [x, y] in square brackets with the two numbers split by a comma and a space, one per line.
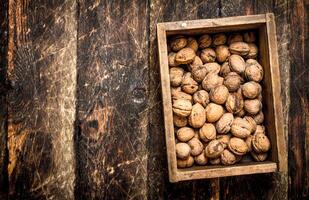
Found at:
[81, 109]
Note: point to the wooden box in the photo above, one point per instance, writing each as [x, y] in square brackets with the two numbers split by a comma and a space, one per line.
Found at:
[264, 25]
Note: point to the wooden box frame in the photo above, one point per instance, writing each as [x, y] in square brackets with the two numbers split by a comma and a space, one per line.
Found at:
[272, 106]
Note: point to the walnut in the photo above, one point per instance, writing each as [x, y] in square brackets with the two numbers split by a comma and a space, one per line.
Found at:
[259, 156]
[225, 69]
[251, 89]
[222, 53]
[181, 95]
[254, 71]
[201, 97]
[182, 150]
[189, 85]
[179, 121]
[260, 129]
[192, 43]
[196, 62]
[258, 118]
[201, 159]
[208, 55]
[252, 106]
[234, 102]
[213, 112]
[237, 64]
[211, 80]
[224, 124]
[241, 128]
[260, 143]
[249, 36]
[199, 73]
[178, 42]
[219, 39]
[253, 51]
[227, 157]
[171, 59]
[252, 123]
[197, 117]
[215, 161]
[249, 142]
[233, 81]
[219, 94]
[214, 149]
[236, 37]
[176, 74]
[212, 67]
[207, 132]
[238, 146]
[182, 107]
[224, 139]
[196, 146]
[185, 56]
[185, 163]
[185, 134]
[204, 41]
[239, 48]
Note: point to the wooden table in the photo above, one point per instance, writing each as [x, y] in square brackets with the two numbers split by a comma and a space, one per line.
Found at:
[81, 110]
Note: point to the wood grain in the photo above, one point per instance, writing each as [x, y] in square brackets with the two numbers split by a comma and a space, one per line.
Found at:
[42, 60]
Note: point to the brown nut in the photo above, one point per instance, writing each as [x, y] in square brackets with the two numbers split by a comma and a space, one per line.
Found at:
[219, 39]
[219, 94]
[228, 158]
[260, 129]
[196, 146]
[208, 55]
[252, 106]
[178, 42]
[213, 112]
[201, 159]
[185, 134]
[199, 73]
[241, 128]
[211, 81]
[182, 107]
[196, 62]
[192, 43]
[189, 85]
[182, 150]
[259, 156]
[254, 71]
[224, 139]
[237, 64]
[249, 36]
[176, 74]
[222, 53]
[185, 56]
[171, 59]
[212, 67]
[233, 81]
[185, 163]
[260, 143]
[236, 37]
[259, 118]
[251, 89]
[224, 124]
[225, 69]
[253, 51]
[197, 117]
[181, 95]
[239, 48]
[207, 132]
[180, 121]
[204, 41]
[249, 142]
[234, 103]
[214, 149]
[201, 97]
[238, 146]
[252, 123]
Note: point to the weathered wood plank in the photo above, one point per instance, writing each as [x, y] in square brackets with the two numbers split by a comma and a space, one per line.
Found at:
[112, 113]
[42, 70]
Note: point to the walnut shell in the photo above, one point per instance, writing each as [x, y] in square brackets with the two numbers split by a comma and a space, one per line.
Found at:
[182, 107]
[201, 159]
[252, 123]
[185, 56]
[176, 74]
[208, 55]
[197, 117]
[196, 146]
[222, 53]
[178, 42]
[214, 149]
[239, 48]
[260, 129]
[254, 71]
[249, 36]
[260, 143]
[212, 67]
[219, 39]
[171, 60]
[241, 128]
[185, 134]
[181, 95]
[224, 139]
[238, 146]
[192, 43]
[199, 73]
[228, 158]
[219, 94]
[234, 103]
[201, 97]
[224, 124]
[251, 89]
[207, 132]
[233, 81]
[195, 63]
[252, 106]
[211, 81]
[236, 37]
[182, 150]
[259, 156]
[213, 112]
[259, 118]
[225, 69]
[253, 51]
[180, 121]
[204, 41]
[189, 85]
[249, 142]
[185, 163]
[237, 64]
[215, 161]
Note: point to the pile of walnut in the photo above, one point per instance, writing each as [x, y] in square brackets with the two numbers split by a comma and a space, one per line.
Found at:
[217, 99]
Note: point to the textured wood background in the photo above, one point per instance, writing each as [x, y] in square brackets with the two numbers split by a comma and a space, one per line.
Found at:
[80, 105]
